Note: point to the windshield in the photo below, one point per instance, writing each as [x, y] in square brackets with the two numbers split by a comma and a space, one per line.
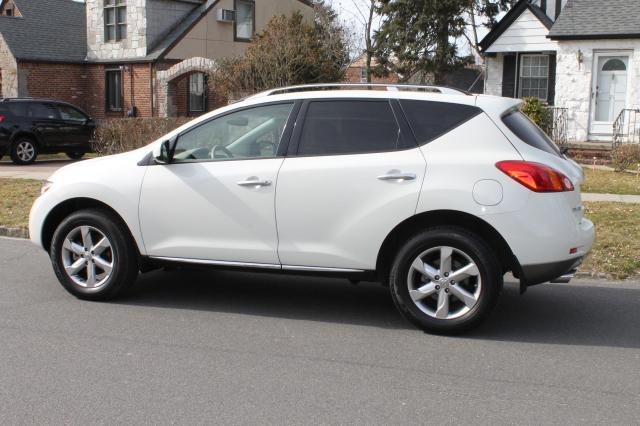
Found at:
[529, 132]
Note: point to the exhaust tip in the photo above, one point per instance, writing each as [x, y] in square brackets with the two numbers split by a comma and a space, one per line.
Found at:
[563, 279]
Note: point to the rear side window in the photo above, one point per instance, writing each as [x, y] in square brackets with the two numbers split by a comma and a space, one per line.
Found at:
[13, 109]
[38, 110]
[430, 120]
[528, 132]
[348, 127]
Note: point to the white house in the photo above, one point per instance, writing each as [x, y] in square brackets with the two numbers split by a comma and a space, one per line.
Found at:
[582, 56]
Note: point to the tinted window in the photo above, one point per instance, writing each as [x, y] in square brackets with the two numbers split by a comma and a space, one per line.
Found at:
[13, 109]
[37, 110]
[528, 132]
[71, 114]
[430, 120]
[348, 127]
[245, 134]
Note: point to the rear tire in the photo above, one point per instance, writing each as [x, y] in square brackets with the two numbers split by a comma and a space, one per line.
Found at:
[445, 280]
[75, 155]
[92, 257]
[24, 151]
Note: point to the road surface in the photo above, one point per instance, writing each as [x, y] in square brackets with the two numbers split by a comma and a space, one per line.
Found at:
[237, 348]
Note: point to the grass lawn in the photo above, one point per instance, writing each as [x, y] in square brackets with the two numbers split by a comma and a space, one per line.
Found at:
[605, 182]
[16, 198]
[616, 253]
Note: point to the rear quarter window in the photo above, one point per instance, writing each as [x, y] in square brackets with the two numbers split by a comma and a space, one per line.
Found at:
[430, 120]
[527, 131]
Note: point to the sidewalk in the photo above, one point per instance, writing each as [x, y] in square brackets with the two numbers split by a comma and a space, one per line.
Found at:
[631, 199]
[40, 170]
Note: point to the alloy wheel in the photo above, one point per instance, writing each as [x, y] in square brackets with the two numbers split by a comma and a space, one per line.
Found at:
[444, 282]
[87, 257]
[25, 151]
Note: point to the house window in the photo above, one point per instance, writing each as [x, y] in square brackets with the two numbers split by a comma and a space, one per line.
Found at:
[113, 90]
[245, 19]
[534, 76]
[8, 12]
[363, 75]
[197, 92]
[115, 20]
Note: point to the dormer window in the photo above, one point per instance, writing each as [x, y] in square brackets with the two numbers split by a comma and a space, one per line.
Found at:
[245, 19]
[115, 20]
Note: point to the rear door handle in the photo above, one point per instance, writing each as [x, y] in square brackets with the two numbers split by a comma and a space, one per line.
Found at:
[396, 175]
[254, 181]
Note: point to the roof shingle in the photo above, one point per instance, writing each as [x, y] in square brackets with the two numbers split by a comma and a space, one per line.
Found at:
[49, 30]
[594, 19]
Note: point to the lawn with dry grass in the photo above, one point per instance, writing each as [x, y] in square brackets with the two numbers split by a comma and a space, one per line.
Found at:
[606, 182]
[616, 252]
[16, 198]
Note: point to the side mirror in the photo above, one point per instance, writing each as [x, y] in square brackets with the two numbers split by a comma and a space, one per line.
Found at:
[163, 153]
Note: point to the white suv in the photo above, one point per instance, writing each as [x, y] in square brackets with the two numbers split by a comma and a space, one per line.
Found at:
[432, 192]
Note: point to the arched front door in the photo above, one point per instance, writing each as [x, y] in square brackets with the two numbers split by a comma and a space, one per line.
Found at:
[609, 93]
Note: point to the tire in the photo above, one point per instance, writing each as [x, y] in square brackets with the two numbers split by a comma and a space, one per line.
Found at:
[24, 151]
[121, 255]
[75, 155]
[470, 296]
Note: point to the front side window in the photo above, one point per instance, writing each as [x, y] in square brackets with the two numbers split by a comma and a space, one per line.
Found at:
[115, 20]
[244, 24]
[113, 89]
[68, 113]
[197, 92]
[534, 76]
[246, 134]
[348, 127]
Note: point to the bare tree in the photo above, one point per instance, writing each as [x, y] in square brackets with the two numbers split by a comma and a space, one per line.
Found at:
[367, 16]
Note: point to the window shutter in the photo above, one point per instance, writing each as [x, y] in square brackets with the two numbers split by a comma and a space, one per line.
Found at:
[509, 76]
[552, 80]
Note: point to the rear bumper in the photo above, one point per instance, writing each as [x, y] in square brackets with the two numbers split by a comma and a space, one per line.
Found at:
[545, 272]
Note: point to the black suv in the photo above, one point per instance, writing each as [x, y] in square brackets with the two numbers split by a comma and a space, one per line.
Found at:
[29, 127]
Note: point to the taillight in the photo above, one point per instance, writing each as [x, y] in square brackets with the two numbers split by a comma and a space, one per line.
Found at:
[1, 118]
[535, 176]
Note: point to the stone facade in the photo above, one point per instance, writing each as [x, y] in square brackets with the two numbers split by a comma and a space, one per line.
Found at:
[133, 46]
[493, 75]
[8, 71]
[574, 79]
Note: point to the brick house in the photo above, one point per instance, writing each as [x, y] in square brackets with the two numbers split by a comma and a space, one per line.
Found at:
[116, 58]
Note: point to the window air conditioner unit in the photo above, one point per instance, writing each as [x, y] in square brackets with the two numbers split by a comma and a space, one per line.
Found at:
[226, 15]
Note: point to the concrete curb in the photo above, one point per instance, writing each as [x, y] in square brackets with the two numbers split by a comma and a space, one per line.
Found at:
[5, 231]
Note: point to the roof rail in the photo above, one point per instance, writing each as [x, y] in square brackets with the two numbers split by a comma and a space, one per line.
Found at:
[389, 87]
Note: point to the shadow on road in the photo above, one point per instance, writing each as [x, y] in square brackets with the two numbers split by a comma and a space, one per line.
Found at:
[549, 314]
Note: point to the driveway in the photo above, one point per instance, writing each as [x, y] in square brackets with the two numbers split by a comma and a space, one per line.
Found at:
[238, 348]
[39, 170]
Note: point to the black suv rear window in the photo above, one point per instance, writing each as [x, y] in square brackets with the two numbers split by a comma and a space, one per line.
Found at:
[528, 132]
[430, 120]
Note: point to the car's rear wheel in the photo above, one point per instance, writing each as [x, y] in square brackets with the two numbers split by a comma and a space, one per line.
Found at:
[24, 151]
[75, 155]
[445, 280]
[92, 257]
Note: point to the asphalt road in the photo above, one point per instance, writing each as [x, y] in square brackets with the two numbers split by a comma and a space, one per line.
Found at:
[237, 348]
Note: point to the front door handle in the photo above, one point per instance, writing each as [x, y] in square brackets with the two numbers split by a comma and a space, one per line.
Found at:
[254, 181]
[397, 175]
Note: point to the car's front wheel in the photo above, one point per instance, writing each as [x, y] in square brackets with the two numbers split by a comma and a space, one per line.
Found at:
[445, 280]
[93, 257]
